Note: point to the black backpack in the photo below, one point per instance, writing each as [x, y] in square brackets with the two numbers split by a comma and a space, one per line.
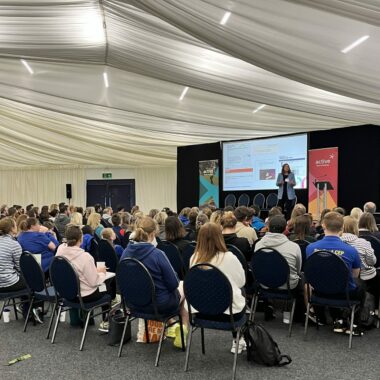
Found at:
[367, 311]
[261, 348]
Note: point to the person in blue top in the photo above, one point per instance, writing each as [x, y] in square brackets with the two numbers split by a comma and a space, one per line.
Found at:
[169, 293]
[34, 241]
[257, 223]
[332, 224]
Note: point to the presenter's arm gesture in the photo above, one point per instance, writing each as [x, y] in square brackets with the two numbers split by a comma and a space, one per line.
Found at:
[292, 180]
[280, 180]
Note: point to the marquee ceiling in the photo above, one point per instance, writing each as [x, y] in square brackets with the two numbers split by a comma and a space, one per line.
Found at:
[284, 54]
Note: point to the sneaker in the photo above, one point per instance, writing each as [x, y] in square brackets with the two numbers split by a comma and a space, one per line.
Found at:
[104, 326]
[356, 331]
[242, 346]
[170, 332]
[313, 318]
[339, 326]
[114, 302]
[37, 316]
[177, 340]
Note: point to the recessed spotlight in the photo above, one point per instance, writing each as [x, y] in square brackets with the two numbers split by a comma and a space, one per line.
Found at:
[259, 108]
[184, 93]
[354, 44]
[26, 64]
[105, 77]
[225, 18]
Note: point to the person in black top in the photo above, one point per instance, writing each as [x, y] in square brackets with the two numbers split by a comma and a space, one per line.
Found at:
[286, 194]
[175, 233]
[228, 223]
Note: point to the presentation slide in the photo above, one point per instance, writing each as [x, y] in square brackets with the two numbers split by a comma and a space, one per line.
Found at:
[255, 164]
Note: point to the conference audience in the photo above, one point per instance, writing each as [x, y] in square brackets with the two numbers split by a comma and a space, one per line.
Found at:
[356, 213]
[106, 220]
[191, 227]
[109, 235]
[211, 249]
[169, 295]
[118, 230]
[216, 217]
[302, 229]
[332, 224]
[369, 207]
[94, 222]
[76, 218]
[184, 216]
[202, 219]
[62, 219]
[175, 233]
[34, 241]
[243, 226]
[160, 220]
[228, 223]
[257, 223]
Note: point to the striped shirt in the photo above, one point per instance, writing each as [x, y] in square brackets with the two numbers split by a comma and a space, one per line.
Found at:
[10, 253]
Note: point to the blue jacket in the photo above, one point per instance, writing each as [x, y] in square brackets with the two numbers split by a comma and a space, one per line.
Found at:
[86, 242]
[164, 277]
[290, 186]
[257, 223]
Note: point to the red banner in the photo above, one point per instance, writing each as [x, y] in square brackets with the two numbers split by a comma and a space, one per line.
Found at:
[323, 172]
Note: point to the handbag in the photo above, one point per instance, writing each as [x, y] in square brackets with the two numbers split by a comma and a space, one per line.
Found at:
[116, 327]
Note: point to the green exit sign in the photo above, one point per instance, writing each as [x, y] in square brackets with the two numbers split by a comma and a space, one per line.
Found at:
[107, 175]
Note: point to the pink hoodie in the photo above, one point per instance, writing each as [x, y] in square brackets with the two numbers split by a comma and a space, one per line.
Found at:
[89, 278]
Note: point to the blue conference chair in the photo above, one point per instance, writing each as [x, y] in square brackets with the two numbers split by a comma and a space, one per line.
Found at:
[138, 295]
[67, 287]
[174, 256]
[209, 292]
[230, 200]
[107, 254]
[271, 271]
[186, 255]
[303, 245]
[243, 200]
[328, 275]
[272, 200]
[11, 296]
[259, 200]
[35, 280]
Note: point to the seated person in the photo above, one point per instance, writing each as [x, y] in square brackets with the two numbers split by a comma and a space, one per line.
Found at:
[228, 223]
[243, 226]
[276, 239]
[160, 220]
[116, 226]
[257, 223]
[368, 230]
[175, 233]
[211, 249]
[34, 241]
[109, 235]
[90, 277]
[332, 224]
[168, 293]
[301, 230]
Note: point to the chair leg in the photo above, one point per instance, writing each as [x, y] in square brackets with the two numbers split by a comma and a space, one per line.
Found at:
[236, 354]
[2, 309]
[351, 326]
[291, 318]
[182, 333]
[253, 312]
[160, 344]
[56, 324]
[15, 309]
[85, 330]
[188, 345]
[203, 341]
[146, 331]
[306, 320]
[28, 314]
[378, 314]
[122, 336]
[54, 310]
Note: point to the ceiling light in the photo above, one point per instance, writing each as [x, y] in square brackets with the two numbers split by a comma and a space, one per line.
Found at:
[225, 18]
[105, 77]
[259, 108]
[26, 64]
[354, 44]
[184, 93]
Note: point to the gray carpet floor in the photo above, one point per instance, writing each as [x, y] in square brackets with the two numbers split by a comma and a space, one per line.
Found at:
[324, 355]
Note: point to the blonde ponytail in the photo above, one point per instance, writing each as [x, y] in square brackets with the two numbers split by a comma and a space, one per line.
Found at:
[140, 235]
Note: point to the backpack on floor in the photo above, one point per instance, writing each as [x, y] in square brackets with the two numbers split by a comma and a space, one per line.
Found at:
[261, 348]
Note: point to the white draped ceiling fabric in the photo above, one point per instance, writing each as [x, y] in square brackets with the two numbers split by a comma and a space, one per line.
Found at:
[282, 53]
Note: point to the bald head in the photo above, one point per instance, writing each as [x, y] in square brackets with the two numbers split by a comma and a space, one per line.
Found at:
[370, 207]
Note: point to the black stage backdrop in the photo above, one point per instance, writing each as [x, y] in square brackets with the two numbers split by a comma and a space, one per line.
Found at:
[358, 175]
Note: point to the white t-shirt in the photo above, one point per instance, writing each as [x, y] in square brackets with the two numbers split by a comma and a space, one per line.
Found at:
[231, 267]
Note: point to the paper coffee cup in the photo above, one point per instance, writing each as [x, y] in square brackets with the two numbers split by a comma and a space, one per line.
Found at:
[62, 317]
[6, 315]
[100, 264]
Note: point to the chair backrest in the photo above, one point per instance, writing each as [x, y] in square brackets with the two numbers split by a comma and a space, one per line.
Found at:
[64, 278]
[93, 251]
[136, 284]
[172, 253]
[230, 200]
[186, 255]
[32, 272]
[239, 254]
[207, 290]
[270, 268]
[303, 245]
[243, 200]
[327, 273]
[272, 200]
[107, 254]
[259, 200]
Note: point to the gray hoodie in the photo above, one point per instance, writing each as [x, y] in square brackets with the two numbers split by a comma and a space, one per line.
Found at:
[289, 250]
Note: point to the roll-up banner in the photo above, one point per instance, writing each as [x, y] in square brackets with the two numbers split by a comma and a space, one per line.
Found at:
[323, 180]
[209, 182]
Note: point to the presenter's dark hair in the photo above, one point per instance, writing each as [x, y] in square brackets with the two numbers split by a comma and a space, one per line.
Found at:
[282, 169]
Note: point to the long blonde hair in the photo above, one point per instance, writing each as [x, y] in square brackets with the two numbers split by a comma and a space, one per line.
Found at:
[350, 225]
[93, 220]
[76, 218]
[210, 243]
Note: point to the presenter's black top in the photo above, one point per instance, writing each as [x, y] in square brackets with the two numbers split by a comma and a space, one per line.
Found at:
[285, 191]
